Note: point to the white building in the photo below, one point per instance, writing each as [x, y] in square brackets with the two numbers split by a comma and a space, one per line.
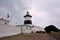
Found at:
[4, 21]
[6, 29]
[27, 27]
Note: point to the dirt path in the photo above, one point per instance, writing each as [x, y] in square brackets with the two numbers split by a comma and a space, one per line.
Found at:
[40, 36]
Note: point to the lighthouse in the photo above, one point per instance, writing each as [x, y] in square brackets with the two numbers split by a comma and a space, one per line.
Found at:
[27, 19]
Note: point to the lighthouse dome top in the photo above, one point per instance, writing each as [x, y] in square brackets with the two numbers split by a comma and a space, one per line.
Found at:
[27, 14]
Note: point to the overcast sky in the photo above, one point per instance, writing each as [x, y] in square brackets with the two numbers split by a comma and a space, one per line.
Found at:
[44, 12]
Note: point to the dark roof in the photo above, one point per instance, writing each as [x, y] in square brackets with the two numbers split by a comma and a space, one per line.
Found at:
[27, 15]
[4, 19]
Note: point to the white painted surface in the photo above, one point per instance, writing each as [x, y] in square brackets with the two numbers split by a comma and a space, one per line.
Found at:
[7, 30]
[2, 21]
[27, 18]
[25, 29]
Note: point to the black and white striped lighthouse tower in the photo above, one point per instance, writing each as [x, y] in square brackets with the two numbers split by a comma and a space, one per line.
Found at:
[27, 18]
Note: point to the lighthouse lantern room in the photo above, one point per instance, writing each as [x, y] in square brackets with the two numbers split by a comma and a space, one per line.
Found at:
[27, 18]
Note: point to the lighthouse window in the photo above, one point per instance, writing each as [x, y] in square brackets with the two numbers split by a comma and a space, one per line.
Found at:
[27, 22]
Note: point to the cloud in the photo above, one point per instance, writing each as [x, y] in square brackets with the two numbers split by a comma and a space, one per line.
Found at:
[44, 12]
[15, 8]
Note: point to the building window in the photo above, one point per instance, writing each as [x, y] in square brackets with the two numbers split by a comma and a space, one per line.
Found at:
[5, 22]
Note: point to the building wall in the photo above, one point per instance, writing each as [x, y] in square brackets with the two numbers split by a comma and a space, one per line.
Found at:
[3, 22]
[27, 18]
[7, 30]
[25, 29]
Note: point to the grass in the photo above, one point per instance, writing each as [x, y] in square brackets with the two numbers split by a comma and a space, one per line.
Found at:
[12, 36]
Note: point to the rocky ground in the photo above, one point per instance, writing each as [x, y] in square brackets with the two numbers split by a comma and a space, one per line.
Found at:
[33, 36]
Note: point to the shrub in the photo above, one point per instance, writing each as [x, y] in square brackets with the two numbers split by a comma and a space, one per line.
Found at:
[32, 32]
[40, 32]
[50, 28]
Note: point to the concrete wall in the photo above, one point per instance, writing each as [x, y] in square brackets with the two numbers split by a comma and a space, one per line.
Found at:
[25, 29]
[7, 30]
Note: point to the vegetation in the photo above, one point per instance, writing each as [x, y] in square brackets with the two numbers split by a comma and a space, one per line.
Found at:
[40, 32]
[12, 36]
[50, 28]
